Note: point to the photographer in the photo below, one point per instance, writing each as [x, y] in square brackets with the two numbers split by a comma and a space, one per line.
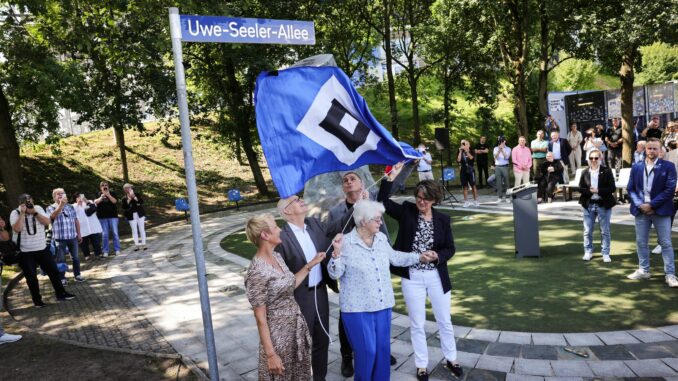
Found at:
[591, 141]
[28, 223]
[466, 173]
[502, 154]
[132, 205]
[65, 231]
[550, 124]
[90, 227]
[107, 212]
[424, 164]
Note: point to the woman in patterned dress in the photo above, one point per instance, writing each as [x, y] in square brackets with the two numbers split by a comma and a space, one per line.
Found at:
[284, 349]
[422, 229]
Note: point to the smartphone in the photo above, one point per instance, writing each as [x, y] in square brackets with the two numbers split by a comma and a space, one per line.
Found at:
[82, 196]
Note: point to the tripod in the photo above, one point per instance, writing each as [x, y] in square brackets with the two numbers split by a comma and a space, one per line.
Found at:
[445, 176]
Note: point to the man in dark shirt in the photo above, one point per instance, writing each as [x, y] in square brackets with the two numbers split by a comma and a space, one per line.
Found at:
[481, 149]
[107, 212]
[613, 140]
[652, 130]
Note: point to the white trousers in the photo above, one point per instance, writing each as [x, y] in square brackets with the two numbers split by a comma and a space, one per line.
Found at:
[415, 289]
[138, 229]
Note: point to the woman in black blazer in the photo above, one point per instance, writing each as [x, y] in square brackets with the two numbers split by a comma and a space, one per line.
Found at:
[597, 198]
[421, 229]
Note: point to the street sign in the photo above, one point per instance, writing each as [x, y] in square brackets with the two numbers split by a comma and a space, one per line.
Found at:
[245, 30]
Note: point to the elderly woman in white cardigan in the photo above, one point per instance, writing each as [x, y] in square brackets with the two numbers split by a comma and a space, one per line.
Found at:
[366, 295]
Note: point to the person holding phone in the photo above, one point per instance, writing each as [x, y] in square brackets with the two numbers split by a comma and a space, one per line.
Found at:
[65, 232]
[90, 227]
[133, 207]
[466, 173]
[107, 212]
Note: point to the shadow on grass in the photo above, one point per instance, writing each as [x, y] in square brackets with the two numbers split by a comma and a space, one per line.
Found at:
[555, 293]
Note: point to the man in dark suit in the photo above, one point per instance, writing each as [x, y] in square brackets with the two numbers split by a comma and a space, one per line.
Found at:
[302, 238]
[561, 152]
[651, 188]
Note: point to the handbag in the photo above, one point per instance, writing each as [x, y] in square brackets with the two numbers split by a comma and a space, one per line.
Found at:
[9, 251]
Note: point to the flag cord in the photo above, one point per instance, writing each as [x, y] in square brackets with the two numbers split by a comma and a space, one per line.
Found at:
[315, 290]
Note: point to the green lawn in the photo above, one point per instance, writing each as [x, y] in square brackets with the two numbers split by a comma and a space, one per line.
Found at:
[557, 293]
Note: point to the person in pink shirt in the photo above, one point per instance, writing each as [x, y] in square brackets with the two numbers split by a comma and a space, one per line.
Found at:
[521, 156]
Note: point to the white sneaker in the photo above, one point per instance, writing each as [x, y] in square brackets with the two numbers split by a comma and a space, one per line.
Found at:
[657, 249]
[106, 255]
[587, 256]
[499, 200]
[466, 204]
[671, 280]
[475, 203]
[607, 259]
[8, 338]
[508, 200]
[117, 252]
[639, 274]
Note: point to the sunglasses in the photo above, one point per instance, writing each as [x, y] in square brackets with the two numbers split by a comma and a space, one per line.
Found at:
[594, 158]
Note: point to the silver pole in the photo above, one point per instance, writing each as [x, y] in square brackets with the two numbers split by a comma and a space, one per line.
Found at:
[175, 32]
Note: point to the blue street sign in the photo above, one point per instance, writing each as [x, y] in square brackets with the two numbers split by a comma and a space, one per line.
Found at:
[243, 30]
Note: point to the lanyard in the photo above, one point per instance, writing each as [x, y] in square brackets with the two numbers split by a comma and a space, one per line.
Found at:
[35, 226]
[648, 184]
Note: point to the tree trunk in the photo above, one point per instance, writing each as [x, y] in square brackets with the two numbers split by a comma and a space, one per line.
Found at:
[389, 70]
[415, 108]
[120, 142]
[626, 77]
[236, 98]
[446, 99]
[543, 59]
[10, 170]
[519, 102]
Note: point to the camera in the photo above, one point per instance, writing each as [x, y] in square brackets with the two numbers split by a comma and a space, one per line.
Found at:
[29, 205]
[105, 189]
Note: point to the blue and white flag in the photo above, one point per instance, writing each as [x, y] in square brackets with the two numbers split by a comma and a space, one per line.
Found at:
[311, 121]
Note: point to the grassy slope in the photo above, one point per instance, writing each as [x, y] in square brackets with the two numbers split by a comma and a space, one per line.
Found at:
[156, 168]
[556, 293]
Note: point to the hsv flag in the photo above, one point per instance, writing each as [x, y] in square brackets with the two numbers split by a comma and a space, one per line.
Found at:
[311, 120]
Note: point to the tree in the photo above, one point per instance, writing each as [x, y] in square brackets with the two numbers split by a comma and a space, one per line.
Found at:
[350, 39]
[559, 23]
[121, 48]
[617, 29]
[34, 84]
[659, 63]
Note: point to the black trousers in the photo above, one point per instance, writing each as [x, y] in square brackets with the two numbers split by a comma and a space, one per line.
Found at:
[306, 298]
[28, 261]
[482, 173]
[95, 241]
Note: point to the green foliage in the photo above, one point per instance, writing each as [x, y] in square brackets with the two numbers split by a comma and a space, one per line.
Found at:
[659, 63]
[574, 74]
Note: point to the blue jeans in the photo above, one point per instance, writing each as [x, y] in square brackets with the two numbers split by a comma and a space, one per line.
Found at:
[663, 226]
[72, 246]
[112, 224]
[603, 215]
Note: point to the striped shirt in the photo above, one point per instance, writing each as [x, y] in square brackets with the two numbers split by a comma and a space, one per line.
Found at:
[63, 227]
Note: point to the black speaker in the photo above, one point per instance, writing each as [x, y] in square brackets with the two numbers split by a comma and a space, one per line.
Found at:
[442, 138]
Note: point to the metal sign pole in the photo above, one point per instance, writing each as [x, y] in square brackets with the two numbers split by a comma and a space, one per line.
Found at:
[175, 32]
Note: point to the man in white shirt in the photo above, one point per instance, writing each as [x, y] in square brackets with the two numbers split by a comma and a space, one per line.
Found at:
[302, 238]
[502, 154]
[28, 225]
[424, 164]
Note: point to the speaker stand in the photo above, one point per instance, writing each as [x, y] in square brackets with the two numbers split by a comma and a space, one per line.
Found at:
[447, 195]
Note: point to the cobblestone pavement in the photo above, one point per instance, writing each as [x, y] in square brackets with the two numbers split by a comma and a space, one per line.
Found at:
[100, 315]
[161, 284]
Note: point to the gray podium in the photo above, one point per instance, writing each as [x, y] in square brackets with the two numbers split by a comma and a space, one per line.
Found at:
[525, 220]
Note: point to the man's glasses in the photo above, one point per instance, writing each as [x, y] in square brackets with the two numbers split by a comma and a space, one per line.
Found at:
[594, 158]
[292, 202]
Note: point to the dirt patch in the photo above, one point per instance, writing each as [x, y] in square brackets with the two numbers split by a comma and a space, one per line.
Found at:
[39, 358]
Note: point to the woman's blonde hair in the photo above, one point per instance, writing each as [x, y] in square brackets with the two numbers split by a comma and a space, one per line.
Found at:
[256, 225]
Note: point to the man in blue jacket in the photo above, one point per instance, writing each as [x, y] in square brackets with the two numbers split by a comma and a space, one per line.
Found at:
[651, 189]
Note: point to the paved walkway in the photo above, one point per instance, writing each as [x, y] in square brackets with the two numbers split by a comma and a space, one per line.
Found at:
[162, 288]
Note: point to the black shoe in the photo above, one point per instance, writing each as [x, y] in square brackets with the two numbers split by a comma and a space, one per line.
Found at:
[347, 367]
[455, 369]
[393, 360]
[65, 296]
[422, 374]
[40, 304]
